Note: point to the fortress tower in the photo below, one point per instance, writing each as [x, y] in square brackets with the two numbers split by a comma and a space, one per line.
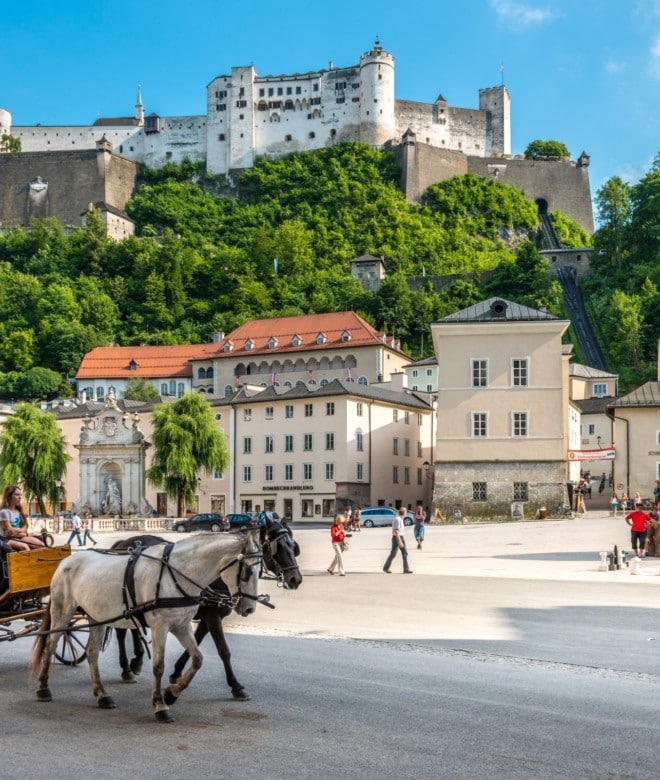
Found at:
[377, 106]
[497, 103]
[5, 122]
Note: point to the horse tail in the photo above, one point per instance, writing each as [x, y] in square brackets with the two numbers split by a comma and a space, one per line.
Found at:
[39, 647]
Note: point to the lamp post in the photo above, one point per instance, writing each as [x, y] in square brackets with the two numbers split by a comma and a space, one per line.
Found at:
[429, 475]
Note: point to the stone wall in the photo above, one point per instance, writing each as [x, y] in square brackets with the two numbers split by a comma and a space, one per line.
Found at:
[546, 482]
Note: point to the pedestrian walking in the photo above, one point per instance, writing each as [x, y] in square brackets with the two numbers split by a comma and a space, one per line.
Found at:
[337, 537]
[614, 504]
[398, 543]
[87, 528]
[75, 530]
[419, 526]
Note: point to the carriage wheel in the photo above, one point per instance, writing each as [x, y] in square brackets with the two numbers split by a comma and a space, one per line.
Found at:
[71, 648]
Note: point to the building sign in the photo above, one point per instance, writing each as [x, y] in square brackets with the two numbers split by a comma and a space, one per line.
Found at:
[608, 453]
[271, 488]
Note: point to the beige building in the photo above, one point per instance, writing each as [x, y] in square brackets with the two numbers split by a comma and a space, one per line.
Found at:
[302, 451]
[636, 421]
[503, 411]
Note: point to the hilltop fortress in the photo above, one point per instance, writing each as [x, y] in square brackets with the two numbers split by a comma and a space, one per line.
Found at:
[248, 116]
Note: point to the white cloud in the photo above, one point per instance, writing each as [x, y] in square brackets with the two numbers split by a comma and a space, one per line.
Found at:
[654, 64]
[521, 14]
[613, 66]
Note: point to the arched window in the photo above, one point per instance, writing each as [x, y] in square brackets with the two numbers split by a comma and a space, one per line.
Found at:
[180, 390]
[323, 382]
[99, 393]
[228, 390]
[201, 373]
[363, 380]
[209, 373]
[172, 387]
[163, 388]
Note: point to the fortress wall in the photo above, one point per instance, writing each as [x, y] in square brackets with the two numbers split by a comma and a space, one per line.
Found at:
[73, 179]
[422, 165]
[563, 184]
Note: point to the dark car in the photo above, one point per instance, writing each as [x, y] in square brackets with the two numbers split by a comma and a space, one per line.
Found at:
[207, 521]
[243, 520]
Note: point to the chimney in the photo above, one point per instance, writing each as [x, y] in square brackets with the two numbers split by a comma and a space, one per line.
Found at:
[218, 336]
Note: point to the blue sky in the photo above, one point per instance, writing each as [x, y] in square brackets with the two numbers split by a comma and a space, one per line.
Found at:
[585, 72]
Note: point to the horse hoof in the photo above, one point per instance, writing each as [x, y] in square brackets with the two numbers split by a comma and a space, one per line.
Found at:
[168, 697]
[44, 694]
[240, 694]
[128, 677]
[136, 667]
[164, 716]
[106, 703]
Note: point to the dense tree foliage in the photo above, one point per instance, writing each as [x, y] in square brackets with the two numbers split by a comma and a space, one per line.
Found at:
[208, 258]
[139, 389]
[623, 292]
[539, 148]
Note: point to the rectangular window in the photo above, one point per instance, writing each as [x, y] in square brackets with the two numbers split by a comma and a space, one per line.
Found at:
[329, 469]
[406, 418]
[395, 415]
[479, 491]
[592, 429]
[520, 492]
[247, 414]
[329, 441]
[247, 473]
[395, 446]
[479, 373]
[269, 413]
[330, 408]
[420, 476]
[519, 423]
[420, 449]
[268, 473]
[406, 475]
[419, 420]
[247, 445]
[479, 424]
[269, 444]
[308, 442]
[519, 376]
[328, 507]
[218, 474]
[288, 411]
[360, 471]
[359, 409]
[288, 472]
[307, 472]
[395, 475]
[359, 442]
[406, 448]
[288, 443]
[309, 409]
[600, 390]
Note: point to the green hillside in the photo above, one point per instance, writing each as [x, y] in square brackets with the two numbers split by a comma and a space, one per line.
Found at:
[209, 257]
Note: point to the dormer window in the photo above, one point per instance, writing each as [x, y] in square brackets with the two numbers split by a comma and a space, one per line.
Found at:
[321, 338]
[228, 346]
[346, 335]
[272, 342]
[132, 366]
[296, 341]
[249, 344]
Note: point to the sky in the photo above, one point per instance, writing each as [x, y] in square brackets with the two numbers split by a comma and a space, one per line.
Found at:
[584, 72]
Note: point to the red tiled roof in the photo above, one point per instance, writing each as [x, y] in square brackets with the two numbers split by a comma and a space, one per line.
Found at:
[150, 362]
[307, 327]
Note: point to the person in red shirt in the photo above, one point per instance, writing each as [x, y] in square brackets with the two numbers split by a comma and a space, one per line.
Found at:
[337, 535]
[637, 520]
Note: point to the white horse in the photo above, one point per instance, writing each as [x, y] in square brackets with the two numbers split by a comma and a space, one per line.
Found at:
[167, 579]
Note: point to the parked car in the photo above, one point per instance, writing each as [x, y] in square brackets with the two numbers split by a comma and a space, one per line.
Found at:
[381, 515]
[243, 520]
[207, 521]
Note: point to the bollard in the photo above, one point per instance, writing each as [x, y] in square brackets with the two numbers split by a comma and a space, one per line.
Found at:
[617, 557]
[603, 562]
[636, 567]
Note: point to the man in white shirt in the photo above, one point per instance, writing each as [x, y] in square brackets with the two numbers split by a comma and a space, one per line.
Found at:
[398, 543]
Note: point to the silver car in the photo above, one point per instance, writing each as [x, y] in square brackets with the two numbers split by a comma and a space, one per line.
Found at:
[381, 515]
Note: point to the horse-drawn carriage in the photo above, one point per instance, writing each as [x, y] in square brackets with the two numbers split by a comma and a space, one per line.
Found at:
[25, 578]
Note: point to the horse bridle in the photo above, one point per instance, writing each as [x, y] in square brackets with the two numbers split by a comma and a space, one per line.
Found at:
[275, 537]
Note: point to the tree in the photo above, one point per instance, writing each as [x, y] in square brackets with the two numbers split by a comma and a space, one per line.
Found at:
[185, 440]
[140, 389]
[38, 383]
[9, 143]
[33, 452]
[540, 148]
[613, 204]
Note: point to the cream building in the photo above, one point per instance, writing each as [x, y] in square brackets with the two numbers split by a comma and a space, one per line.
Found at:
[503, 411]
[302, 451]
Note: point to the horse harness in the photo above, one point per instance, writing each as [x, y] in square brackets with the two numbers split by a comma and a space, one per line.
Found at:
[275, 537]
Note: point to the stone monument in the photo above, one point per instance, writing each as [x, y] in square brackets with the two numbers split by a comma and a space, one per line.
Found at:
[112, 463]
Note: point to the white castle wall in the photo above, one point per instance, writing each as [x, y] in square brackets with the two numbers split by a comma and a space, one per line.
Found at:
[248, 116]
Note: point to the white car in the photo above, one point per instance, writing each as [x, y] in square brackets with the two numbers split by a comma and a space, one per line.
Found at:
[381, 515]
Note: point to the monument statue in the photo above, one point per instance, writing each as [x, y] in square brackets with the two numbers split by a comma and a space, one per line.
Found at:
[112, 503]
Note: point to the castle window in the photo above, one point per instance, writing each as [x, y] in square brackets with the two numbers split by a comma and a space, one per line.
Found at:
[263, 106]
[262, 92]
[241, 103]
[340, 85]
[288, 90]
[241, 92]
[333, 133]
[280, 91]
[315, 88]
[298, 90]
[287, 137]
[270, 92]
[221, 107]
[312, 134]
[288, 105]
[340, 100]
[355, 100]
[221, 137]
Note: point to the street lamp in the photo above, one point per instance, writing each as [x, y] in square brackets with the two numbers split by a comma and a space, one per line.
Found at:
[426, 466]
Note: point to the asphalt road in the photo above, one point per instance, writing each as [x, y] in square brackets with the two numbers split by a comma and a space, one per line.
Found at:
[508, 654]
